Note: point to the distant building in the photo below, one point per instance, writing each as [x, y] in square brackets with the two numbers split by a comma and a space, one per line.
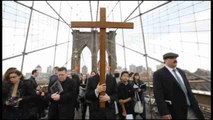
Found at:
[119, 69]
[202, 72]
[132, 68]
[69, 73]
[150, 70]
[139, 69]
[49, 69]
[159, 66]
[84, 69]
[41, 76]
[39, 68]
[124, 69]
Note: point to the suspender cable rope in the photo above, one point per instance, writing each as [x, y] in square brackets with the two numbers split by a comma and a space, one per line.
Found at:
[39, 11]
[90, 5]
[123, 37]
[130, 13]
[25, 45]
[112, 9]
[148, 11]
[97, 10]
[68, 47]
[56, 37]
[59, 15]
[203, 78]
[147, 71]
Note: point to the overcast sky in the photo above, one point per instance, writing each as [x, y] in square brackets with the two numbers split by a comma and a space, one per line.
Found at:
[182, 27]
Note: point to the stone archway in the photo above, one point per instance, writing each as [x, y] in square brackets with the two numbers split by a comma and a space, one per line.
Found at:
[91, 40]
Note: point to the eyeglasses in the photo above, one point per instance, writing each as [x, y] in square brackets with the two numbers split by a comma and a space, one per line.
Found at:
[13, 77]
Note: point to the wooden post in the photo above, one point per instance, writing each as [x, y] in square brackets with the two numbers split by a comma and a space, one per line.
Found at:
[102, 51]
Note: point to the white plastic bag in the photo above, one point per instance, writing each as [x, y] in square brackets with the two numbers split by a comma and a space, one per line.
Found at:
[138, 108]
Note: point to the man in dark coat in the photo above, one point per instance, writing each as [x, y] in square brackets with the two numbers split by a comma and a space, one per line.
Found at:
[54, 77]
[33, 79]
[92, 94]
[173, 93]
[62, 104]
[76, 79]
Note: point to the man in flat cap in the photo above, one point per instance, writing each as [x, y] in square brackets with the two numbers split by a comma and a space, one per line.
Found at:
[173, 93]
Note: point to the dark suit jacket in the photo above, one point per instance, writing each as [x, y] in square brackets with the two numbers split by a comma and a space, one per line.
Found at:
[124, 92]
[167, 88]
[35, 85]
[111, 90]
[64, 108]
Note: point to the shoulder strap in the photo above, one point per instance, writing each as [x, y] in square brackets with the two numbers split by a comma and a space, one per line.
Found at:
[137, 96]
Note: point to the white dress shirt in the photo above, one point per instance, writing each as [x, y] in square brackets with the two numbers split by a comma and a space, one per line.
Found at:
[177, 72]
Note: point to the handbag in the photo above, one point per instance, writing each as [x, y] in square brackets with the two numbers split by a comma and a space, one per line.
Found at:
[138, 108]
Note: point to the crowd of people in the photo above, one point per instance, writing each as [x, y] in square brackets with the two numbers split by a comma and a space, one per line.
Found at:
[22, 98]
[116, 98]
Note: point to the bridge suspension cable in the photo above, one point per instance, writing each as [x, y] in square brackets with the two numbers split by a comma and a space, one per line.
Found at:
[160, 61]
[123, 37]
[130, 13]
[97, 10]
[60, 16]
[148, 11]
[147, 70]
[112, 9]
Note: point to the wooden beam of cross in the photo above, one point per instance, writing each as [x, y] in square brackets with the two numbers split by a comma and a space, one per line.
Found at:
[102, 24]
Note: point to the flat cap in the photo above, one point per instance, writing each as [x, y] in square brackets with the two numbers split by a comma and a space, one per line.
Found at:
[170, 55]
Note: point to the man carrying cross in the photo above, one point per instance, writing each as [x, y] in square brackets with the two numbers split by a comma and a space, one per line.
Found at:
[94, 88]
[102, 92]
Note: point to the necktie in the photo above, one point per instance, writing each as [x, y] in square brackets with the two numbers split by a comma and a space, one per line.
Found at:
[182, 86]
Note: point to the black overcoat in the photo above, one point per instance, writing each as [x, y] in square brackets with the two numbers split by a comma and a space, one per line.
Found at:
[169, 96]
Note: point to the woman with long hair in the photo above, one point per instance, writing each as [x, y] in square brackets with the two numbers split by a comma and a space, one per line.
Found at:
[18, 96]
[139, 89]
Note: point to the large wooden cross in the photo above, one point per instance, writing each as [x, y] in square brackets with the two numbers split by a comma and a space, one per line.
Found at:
[103, 24]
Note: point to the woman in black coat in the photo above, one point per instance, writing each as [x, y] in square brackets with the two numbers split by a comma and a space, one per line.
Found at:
[140, 88]
[18, 96]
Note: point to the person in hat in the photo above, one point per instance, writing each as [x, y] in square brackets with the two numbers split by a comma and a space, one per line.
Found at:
[172, 92]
